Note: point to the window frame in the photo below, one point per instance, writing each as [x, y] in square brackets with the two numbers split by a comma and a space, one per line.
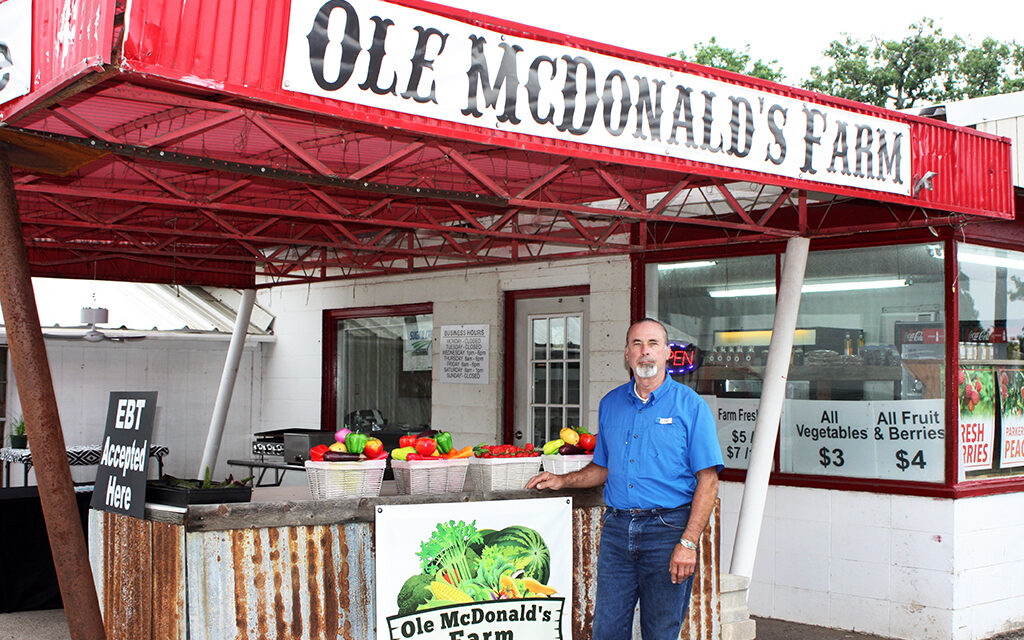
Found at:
[951, 487]
[329, 375]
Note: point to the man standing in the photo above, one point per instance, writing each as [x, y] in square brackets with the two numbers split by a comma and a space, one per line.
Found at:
[658, 456]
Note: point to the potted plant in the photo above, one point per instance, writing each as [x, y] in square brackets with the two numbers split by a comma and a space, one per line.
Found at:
[19, 439]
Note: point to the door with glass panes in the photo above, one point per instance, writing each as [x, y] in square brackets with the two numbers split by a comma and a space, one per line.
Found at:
[550, 367]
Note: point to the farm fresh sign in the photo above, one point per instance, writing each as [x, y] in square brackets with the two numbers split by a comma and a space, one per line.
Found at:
[499, 570]
[382, 55]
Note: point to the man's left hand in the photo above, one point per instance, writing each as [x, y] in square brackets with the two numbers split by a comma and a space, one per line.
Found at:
[682, 564]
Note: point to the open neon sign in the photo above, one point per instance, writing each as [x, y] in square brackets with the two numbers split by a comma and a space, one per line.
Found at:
[685, 358]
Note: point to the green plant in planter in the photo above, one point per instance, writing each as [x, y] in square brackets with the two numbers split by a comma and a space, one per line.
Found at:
[19, 439]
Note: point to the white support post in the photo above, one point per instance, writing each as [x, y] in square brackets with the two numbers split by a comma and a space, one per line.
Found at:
[227, 383]
[773, 393]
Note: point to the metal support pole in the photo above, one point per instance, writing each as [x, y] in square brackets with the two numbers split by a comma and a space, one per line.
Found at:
[227, 383]
[42, 422]
[769, 411]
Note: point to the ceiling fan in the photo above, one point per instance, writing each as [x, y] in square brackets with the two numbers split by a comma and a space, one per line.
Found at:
[92, 316]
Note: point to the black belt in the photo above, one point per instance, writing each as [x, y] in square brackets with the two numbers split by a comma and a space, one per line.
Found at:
[645, 512]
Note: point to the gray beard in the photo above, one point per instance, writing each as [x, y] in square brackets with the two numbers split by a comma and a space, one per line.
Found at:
[646, 370]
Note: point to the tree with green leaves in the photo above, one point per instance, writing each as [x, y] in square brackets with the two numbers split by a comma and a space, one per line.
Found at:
[924, 67]
[712, 54]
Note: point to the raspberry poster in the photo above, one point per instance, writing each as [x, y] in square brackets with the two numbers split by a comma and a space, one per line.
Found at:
[498, 570]
[977, 401]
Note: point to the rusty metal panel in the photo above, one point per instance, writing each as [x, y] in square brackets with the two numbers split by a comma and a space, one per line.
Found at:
[69, 39]
[288, 583]
[138, 566]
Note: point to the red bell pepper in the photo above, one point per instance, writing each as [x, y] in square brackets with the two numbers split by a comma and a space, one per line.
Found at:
[316, 454]
[407, 441]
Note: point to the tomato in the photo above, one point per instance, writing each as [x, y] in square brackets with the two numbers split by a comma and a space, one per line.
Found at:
[587, 442]
[425, 446]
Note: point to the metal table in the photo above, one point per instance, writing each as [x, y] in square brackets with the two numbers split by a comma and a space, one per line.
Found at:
[279, 469]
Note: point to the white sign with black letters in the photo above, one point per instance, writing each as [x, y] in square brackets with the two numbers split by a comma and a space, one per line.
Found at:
[373, 53]
[465, 353]
[893, 439]
[15, 49]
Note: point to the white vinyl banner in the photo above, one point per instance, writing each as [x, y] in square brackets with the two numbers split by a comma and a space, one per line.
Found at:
[459, 571]
[378, 54]
[15, 49]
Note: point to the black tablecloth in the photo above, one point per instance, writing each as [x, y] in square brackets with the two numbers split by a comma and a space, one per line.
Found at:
[28, 580]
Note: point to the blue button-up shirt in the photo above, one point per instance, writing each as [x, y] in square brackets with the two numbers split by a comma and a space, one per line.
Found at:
[653, 450]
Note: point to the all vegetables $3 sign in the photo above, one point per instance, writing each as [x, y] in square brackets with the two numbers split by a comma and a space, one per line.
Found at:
[498, 570]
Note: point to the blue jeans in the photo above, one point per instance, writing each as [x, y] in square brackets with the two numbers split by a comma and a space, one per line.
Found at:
[632, 564]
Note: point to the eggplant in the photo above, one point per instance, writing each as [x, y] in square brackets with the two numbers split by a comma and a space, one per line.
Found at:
[338, 456]
[565, 450]
[427, 433]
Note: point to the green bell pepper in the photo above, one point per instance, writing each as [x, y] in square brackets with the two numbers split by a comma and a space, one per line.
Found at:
[354, 442]
[444, 442]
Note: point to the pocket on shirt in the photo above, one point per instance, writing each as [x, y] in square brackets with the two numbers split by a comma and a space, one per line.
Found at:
[663, 452]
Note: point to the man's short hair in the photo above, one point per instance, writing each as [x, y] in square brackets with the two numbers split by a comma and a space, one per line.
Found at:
[657, 322]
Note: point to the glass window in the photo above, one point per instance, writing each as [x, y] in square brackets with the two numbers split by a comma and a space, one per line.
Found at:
[865, 386]
[557, 389]
[990, 392]
[724, 308]
[383, 368]
[867, 374]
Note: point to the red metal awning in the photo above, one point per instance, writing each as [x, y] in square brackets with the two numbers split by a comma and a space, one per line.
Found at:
[196, 166]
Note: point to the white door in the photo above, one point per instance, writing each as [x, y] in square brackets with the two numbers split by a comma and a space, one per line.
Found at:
[551, 367]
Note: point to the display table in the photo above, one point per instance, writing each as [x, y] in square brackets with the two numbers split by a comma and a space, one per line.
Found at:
[84, 455]
[290, 568]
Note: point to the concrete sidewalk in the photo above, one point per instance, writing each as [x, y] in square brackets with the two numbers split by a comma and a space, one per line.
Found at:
[52, 625]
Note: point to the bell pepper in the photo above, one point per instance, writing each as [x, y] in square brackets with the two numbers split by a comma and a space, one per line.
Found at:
[402, 452]
[444, 442]
[425, 446]
[355, 442]
[407, 441]
[316, 454]
[569, 436]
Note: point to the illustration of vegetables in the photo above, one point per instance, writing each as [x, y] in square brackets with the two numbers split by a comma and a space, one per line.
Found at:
[462, 564]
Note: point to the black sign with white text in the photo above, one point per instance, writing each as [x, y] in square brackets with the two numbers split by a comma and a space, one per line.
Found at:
[121, 476]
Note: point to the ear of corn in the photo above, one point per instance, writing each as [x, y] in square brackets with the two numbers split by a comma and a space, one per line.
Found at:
[445, 591]
[538, 588]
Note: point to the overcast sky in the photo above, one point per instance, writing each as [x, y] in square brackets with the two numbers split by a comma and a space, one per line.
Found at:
[794, 32]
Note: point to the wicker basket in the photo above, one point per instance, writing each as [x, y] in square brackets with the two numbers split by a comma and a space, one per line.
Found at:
[566, 464]
[430, 476]
[328, 480]
[502, 474]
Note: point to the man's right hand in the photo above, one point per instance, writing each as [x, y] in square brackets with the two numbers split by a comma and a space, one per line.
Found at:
[546, 480]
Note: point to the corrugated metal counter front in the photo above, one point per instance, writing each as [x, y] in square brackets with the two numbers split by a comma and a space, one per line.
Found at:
[303, 569]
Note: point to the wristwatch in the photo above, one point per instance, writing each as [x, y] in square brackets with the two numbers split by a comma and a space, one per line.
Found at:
[686, 543]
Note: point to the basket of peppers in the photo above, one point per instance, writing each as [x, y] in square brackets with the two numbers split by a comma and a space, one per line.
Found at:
[351, 467]
[572, 450]
[429, 463]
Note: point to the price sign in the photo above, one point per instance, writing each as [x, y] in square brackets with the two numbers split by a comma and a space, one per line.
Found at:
[735, 419]
[896, 439]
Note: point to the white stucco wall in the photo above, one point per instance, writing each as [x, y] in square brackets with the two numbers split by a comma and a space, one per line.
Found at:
[185, 372]
[292, 365]
[896, 566]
